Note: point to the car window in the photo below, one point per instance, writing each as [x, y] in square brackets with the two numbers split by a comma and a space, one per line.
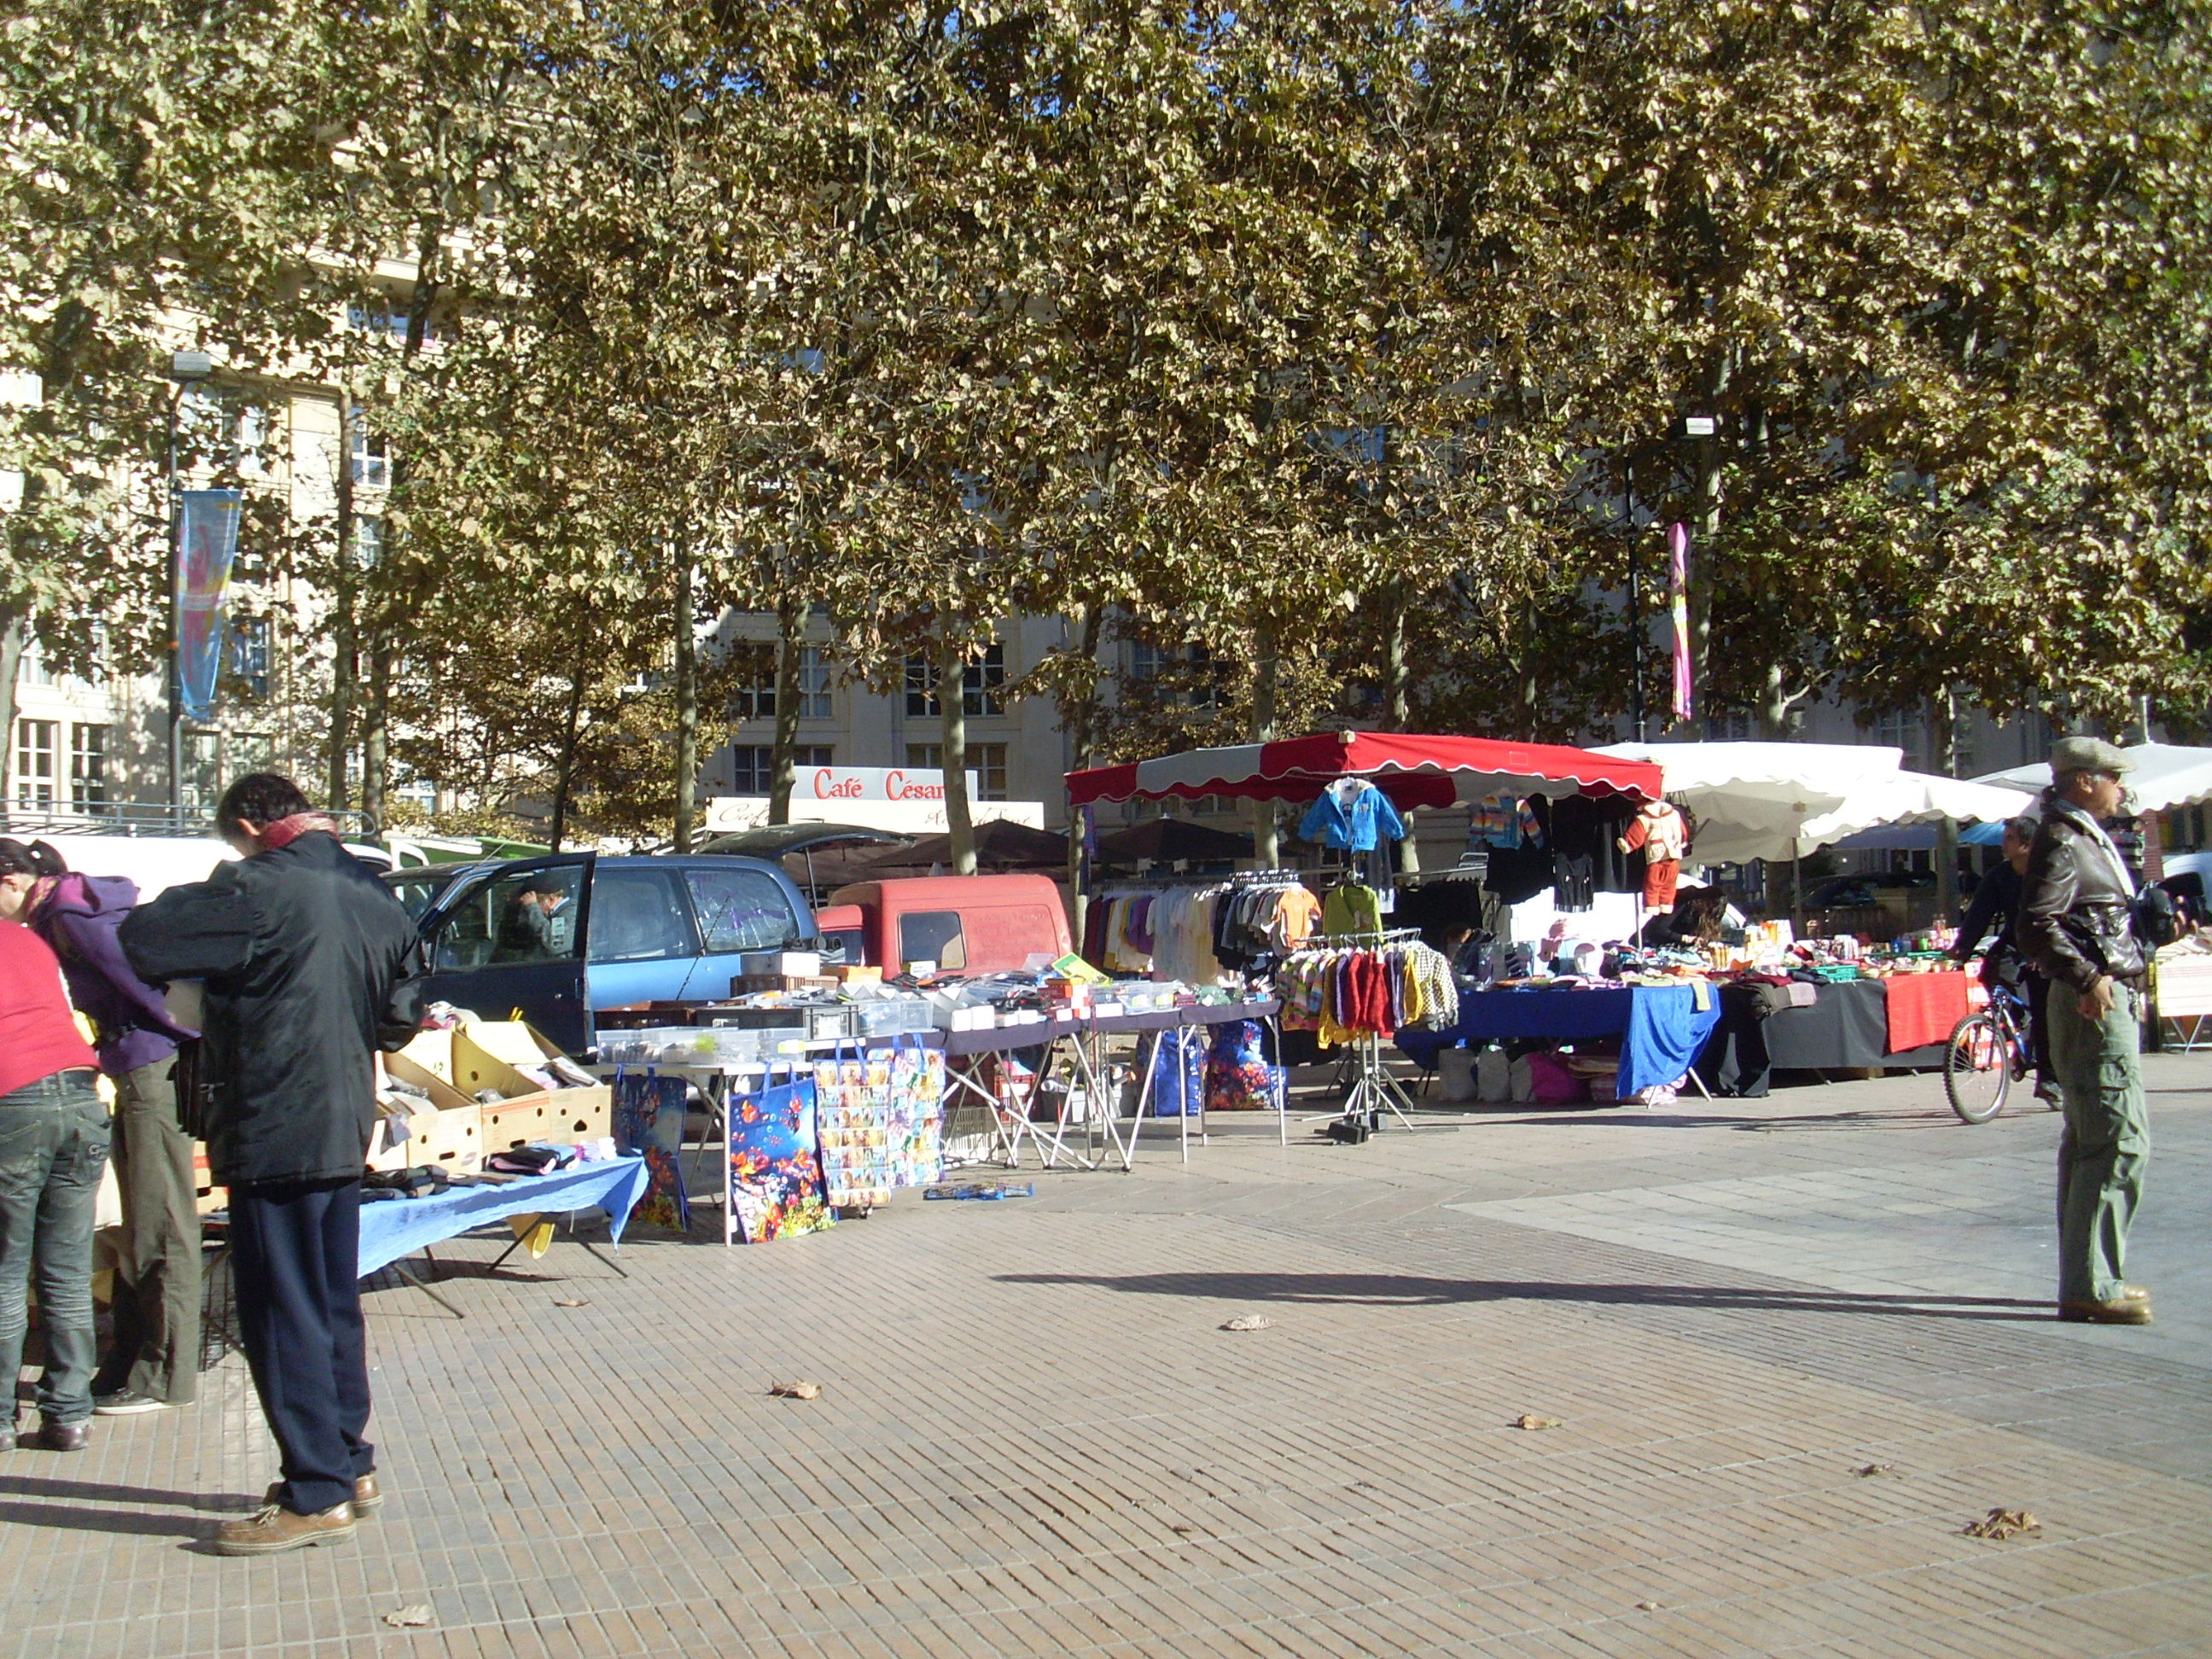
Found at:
[932, 936]
[739, 909]
[416, 889]
[638, 915]
[527, 916]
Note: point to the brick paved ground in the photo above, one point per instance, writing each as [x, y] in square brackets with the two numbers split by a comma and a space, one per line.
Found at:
[1034, 1437]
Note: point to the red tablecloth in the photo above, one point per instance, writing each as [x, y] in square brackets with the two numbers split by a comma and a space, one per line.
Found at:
[1924, 1007]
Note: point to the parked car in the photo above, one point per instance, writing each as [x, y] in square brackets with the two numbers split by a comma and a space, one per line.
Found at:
[560, 937]
[964, 924]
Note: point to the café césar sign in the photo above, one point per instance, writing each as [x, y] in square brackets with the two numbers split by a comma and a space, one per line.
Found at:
[908, 798]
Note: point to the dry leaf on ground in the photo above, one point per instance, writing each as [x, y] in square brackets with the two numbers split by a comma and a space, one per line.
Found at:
[1249, 1322]
[1647, 1606]
[796, 1391]
[1530, 1420]
[1865, 1471]
[2003, 1523]
[418, 1614]
[576, 1302]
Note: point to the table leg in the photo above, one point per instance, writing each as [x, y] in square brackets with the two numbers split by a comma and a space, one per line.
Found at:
[400, 1268]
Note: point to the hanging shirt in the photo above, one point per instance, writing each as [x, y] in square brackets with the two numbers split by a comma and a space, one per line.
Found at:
[1351, 909]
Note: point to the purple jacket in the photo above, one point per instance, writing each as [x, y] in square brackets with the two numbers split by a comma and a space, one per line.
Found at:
[79, 919]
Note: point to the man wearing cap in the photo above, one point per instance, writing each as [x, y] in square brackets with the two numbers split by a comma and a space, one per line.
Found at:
[2076, 924]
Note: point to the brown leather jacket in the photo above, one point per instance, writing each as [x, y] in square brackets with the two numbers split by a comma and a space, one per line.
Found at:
[2076, 919]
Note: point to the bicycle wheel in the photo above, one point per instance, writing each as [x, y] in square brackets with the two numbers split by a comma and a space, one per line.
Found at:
[1977, 1067]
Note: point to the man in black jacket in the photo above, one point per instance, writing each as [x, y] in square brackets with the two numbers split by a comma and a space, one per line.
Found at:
[310, 965]
[2077, 924]
[1996, 902]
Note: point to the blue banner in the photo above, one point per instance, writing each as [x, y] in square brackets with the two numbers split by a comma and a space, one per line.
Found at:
[207, 541]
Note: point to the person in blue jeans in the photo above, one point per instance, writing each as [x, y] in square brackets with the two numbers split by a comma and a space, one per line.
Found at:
[53, 1146]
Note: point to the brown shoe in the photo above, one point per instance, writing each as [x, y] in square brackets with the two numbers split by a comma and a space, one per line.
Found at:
[60, 1437]
[367, 1498]
[2120, 1310]
[2134, 1293]
[274, 1529]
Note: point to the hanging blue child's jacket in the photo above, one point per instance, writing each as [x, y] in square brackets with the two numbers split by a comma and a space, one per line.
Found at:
[1355, 824]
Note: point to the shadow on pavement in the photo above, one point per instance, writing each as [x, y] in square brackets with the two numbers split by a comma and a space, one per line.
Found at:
[27, 1485]
[78, 1519]
[1403, 1290]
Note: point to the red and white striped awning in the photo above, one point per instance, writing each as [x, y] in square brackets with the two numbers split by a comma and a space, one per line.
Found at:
[1412, 770]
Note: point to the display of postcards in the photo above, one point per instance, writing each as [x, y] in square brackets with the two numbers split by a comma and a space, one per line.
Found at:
[648, 1120]
[774, 1171]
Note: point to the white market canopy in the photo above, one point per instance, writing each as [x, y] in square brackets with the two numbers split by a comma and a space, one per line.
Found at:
[1778, 800]
[2167, 775]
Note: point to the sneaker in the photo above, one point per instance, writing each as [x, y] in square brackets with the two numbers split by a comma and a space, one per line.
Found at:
[124, 1403]
[274, 1529]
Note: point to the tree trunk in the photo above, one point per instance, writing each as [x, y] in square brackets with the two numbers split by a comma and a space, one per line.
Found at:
[790, 641]
[687, 703]
[1397, 680]
[1079, 718]
[1267, 679]
[342, 643]
[1774, 705]
[14, 633]
[564, 780]
[952, 726]
[376, 731]
[1943, 726]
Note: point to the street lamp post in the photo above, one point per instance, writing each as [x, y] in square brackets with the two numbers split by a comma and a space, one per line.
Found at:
[186, 369]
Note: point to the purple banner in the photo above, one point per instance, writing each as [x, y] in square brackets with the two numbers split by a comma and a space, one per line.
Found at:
[207, 541]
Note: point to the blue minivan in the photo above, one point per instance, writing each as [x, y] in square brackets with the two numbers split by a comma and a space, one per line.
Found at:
[555, 939]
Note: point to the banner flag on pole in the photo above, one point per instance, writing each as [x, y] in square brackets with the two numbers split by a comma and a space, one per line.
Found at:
[1678, 595]
[207, 541]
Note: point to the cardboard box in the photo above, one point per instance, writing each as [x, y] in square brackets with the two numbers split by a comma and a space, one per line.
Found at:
[485, 1053]
[563, 1117]
[207, 1197]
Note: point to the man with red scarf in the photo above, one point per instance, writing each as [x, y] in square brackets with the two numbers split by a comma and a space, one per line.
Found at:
[310, 965]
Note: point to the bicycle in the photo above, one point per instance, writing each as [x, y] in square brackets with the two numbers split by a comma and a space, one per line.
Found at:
[1986, 1054]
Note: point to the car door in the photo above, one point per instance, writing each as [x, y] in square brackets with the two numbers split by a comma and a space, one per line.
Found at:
[512, 938]
[643, 941]
[739, 909]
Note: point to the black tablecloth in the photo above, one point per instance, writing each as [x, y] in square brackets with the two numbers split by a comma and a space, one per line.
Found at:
[1847, 1027]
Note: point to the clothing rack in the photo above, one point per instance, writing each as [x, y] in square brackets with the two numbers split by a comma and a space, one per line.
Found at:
[1369, 1089]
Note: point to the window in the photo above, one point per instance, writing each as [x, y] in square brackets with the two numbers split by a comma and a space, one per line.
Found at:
[980, 684]
[987, 760]
[371, 454]
[31, 668]
[368, 542]
[384, 316]
[755, 700]
[529, 915]
[249, 657]
[814, 700]
[1732, 728]
[1189, 671]
[88, 769]
[203, 779]
[752, 765]
[740, 910]
[35, 762]
[1905, 731]
[637, 915]
[933, 936]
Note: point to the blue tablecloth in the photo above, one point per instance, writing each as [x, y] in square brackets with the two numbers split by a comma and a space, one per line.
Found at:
[1661, 1028]
[393, 1227]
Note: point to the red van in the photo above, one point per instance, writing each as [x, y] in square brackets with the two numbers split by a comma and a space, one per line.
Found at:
[964, 924]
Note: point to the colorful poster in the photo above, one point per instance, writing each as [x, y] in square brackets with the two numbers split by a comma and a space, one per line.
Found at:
[851, 1106]
[648, 1120]
[775, 1171]
[1677, 599]
[917, 1112]
[207, 541]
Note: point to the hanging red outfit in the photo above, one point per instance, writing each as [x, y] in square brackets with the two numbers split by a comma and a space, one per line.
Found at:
[1659, 830]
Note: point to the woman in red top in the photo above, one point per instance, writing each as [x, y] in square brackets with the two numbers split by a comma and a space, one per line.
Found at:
[53, 1146]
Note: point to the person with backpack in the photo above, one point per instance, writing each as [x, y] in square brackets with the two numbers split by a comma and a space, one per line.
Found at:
[152, 1361]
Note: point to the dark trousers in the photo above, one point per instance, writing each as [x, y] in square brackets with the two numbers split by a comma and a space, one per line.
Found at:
[2039, 1031]
[295, 1257]
[156, 1350]
[53, 1146]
